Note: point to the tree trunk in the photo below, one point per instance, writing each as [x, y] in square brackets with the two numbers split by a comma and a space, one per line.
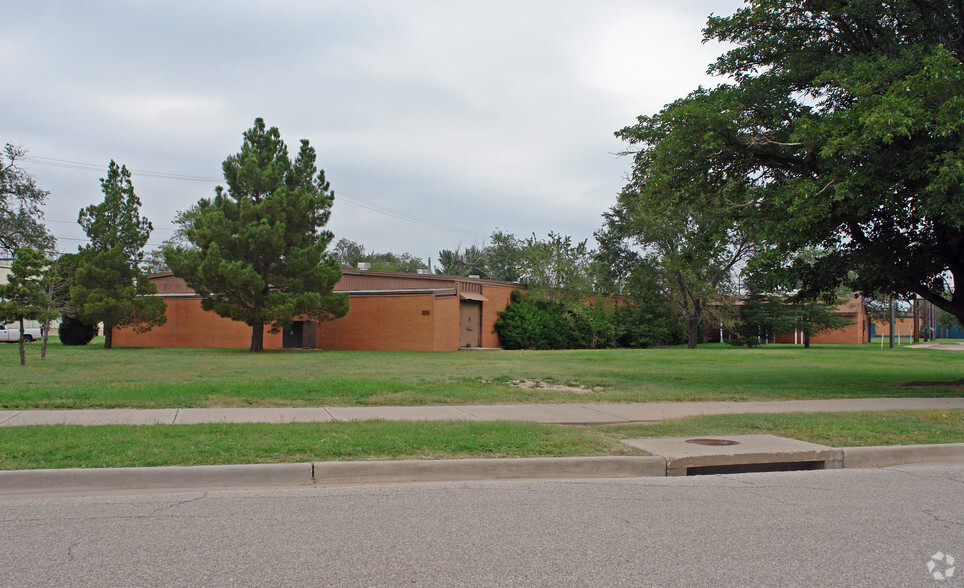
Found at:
[891, 322]
[916, 320]
[43, 344]
[692, 331]
[108, 331]
[257, 337]
[23, 354]
[806, 339]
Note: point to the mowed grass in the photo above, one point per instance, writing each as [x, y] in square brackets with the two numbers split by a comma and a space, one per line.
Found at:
[856, 429]
[158, 445]
[91, 377]
[63, 446]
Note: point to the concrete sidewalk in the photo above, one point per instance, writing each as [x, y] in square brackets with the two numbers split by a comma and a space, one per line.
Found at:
[582, 414]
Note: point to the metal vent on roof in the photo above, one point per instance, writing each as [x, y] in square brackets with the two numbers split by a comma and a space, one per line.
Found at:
[423, 271]
[474, 276]
[364, 266]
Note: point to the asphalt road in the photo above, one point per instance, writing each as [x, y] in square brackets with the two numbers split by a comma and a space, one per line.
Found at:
[830, 528]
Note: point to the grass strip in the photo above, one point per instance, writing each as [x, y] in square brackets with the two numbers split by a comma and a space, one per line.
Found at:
[61, 446]
[837, 429]
[69, 446]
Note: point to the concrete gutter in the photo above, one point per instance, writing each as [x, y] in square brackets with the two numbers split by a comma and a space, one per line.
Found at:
[32, 483]
[366, 472]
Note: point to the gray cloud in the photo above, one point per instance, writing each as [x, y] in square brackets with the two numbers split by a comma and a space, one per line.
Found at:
[477, 115]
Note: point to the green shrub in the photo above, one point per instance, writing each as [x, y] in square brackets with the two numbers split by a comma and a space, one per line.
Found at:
[532, 324]
[748, 342]
[76, 332]
[647, 323]
[529, 323]
[591, 326]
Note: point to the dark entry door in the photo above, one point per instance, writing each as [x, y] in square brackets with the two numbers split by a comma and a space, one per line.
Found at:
[293, 338]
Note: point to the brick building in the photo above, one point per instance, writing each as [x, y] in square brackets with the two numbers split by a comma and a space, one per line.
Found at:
[851, 308]
[416, 312]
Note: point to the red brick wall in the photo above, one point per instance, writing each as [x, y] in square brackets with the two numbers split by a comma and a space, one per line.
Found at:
[498, 300]
[384, 323]
[902, 324]
[849, 334]
[188, 325]
[446, 326]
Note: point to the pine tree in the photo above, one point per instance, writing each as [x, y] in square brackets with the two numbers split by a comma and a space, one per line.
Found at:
[109, 285]
[257, 253]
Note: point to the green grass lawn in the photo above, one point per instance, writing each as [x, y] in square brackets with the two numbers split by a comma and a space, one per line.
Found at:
[156, 445]
[90, 377]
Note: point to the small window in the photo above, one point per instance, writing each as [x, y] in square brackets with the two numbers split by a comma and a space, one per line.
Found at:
[426, 312]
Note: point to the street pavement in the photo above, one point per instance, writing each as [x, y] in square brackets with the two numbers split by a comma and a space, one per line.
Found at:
[588, 413]
[877, 527]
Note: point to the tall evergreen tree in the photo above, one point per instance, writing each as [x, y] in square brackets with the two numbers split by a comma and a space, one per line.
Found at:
[109, 285]
[259, 251]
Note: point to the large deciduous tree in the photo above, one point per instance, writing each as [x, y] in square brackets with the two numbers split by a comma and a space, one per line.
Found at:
[21, 203]
[108, 285]
[848, 116]
[682, 216]
[258, 250]
[556, 268]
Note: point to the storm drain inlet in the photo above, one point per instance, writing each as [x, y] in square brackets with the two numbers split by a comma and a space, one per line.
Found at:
[749, 468]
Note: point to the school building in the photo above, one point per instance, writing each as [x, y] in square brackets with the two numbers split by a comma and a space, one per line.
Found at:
[387, 311]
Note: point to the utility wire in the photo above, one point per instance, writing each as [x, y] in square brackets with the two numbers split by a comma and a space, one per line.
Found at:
[99, 168]
[356, 200]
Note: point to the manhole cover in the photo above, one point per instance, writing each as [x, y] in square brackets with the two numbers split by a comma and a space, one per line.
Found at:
[714, 442]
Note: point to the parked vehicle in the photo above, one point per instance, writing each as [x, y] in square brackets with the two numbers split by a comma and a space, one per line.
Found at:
[12, 335]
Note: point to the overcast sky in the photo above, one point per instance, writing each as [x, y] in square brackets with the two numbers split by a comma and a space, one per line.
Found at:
[452, 118]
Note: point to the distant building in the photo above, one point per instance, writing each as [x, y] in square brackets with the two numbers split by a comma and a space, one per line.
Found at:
[851, 308]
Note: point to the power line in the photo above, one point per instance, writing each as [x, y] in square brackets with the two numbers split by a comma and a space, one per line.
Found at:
[406, 216]
[63, 222]
[99, 168]
[356, 200]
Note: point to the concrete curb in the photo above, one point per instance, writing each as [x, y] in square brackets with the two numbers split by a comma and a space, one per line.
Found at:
[894, 455]
[31, 482]
[100, 479]
[19, 483]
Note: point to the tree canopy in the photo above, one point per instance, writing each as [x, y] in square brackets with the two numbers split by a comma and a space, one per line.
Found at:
[257, 250]
[349, 254]
[681, 217]
[23, 296]
[840, 129]
[847, 120]
[108, 285]
[21, 203]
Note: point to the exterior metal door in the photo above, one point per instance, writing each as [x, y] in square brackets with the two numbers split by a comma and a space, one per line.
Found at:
[470, 323]
[292, 336]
